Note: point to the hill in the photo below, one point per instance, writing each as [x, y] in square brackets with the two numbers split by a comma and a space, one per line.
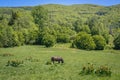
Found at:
[68, 20]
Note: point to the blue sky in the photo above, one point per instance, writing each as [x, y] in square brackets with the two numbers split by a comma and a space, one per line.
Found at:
[13, 3]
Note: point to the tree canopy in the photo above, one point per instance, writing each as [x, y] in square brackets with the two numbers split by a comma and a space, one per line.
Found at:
[62, 24]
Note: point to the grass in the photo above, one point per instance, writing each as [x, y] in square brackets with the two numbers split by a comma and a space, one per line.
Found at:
[35, 57]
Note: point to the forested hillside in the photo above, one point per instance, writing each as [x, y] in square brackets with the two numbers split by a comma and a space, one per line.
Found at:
[85, 26]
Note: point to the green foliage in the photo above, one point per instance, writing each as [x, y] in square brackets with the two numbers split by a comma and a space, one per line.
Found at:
[17, 29]
[103, 71]
[99, 41]
[28, 25]
[31, 59]
[14, 63]
[6, 37]
[106, 37]
[110, 39]
[14, 16]
[117, 42]
[100, 71]
[48, 63]
[84, 41]
[81, 26]
[63, 38]
[48, 40]
[40, 16]
[7, 54]
[89, 69]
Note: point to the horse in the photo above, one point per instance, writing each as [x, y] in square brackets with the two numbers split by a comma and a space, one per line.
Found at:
[58, 59]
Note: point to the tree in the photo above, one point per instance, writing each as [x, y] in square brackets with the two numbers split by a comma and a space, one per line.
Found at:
[63, 38]
[78, 25]
[19, 38]
[48, 40]
[81, 26]
[6, 34]
[6, 37]
[84, 41]
[93, 25]
[117, 42]
[40, 16]
[14, 16]
[99, 41]
[25, 30]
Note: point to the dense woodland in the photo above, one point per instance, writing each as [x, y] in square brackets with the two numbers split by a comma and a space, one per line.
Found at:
[89, 27]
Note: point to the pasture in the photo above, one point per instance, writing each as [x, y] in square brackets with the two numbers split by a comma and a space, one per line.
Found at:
[34, 65]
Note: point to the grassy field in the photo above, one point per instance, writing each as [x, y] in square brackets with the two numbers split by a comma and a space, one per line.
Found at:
[35, 57]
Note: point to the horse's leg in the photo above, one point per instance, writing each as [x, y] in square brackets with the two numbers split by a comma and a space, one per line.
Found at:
[62, 61]
[59, 61]
[53, 62]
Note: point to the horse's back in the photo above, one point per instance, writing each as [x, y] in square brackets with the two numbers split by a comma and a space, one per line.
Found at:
[56, 57]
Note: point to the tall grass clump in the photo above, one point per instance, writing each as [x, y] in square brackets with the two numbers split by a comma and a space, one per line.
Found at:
[100, 71]
[103, 71]
[88, 69]
[14, 63]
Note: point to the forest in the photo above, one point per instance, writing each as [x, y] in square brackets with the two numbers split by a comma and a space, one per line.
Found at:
[84, 26]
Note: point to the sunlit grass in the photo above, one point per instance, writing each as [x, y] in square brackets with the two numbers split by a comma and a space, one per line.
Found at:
[36, 68]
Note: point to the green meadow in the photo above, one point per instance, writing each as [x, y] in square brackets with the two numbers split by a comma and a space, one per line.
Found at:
[34, 65]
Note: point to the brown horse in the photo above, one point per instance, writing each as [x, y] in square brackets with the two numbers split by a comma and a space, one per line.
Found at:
[58, 59]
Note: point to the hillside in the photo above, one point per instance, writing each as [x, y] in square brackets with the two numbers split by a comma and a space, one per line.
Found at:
[61, 21]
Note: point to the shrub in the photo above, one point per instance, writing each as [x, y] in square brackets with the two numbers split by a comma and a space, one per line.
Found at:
[117, 42]
[31, 59]
[48, 63]
[7, 54]
[103, 71]
[48, 40]
[100, 71]
[63, 38]
[99, 41]
[84, 41]
[14, 63]
[89, 69]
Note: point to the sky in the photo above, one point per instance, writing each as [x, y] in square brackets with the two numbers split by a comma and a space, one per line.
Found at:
[18, 3]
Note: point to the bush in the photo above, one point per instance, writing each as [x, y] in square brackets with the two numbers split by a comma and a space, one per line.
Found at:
[117, 42]
[31, 59]
[103, 71]
[89, 69]
[63, 38]
[100, 71]
[7, 54]
[14, 63]
[48, 63]
[99, 41]
[84, 41]
[48, 40]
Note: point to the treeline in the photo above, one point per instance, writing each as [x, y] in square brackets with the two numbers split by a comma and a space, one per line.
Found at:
[17, 28]
[84, 26]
